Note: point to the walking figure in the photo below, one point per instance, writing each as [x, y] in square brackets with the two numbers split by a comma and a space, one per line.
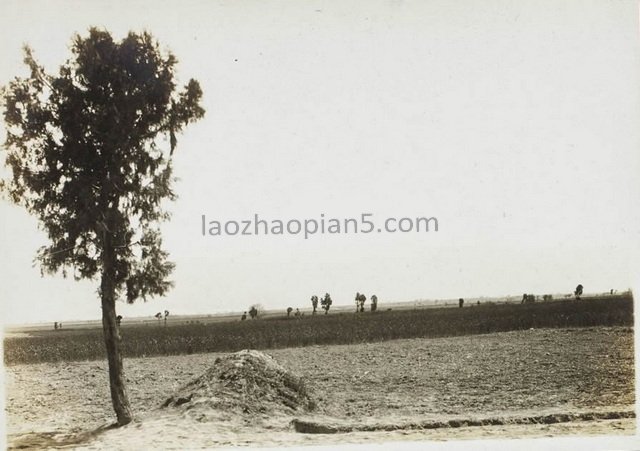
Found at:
[326, 303]
[528, 298]
[360, 300]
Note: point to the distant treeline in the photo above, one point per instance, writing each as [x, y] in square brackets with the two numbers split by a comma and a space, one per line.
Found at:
[339, 328]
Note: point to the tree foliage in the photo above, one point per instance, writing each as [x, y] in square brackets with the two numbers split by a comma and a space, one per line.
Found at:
[90, 152]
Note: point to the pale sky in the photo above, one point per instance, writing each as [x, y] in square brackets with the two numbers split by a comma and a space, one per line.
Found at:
[515, 123]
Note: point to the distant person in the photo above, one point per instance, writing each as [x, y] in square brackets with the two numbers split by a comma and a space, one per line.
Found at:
[460, 302]
[578, 292]
[297, 313]
[326, 303]
[528, 298]
[612, 291]
[244, 316]
[55, 325]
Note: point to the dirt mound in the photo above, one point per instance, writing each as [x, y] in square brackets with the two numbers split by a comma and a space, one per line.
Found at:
[246, 382]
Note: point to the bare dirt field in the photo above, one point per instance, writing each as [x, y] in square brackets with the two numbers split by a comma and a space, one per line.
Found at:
[544, 382]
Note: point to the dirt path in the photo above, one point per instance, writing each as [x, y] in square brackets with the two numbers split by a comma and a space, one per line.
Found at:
[515, 373]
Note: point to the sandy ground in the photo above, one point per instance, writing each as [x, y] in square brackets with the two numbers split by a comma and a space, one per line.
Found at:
[512, 374]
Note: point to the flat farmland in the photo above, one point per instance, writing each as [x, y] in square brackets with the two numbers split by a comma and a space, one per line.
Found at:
[178, 338]
[521, 382]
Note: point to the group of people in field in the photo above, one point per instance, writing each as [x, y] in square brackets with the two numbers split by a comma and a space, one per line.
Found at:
[361, 299]
[253, 313]
[325, 303]
[529, 298]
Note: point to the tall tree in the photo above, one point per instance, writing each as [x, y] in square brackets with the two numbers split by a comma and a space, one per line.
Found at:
[90, 153]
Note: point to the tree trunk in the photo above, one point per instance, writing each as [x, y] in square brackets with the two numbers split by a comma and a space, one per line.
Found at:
[111, 332]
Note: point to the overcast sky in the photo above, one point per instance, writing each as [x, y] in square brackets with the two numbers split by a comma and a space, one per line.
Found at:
[514, 123]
